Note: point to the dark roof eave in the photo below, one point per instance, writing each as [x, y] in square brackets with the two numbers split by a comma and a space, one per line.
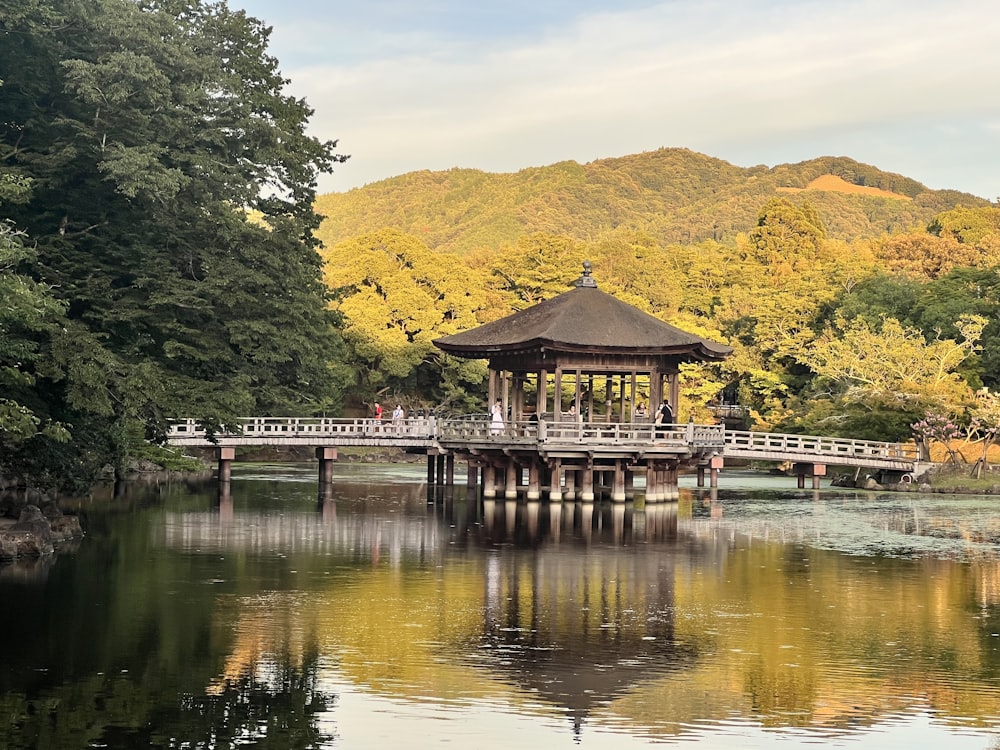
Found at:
[697, 351]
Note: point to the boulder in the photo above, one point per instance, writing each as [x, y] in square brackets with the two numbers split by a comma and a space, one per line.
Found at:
[8, 546]
[65, 527]
[31, 519]
[24, 544]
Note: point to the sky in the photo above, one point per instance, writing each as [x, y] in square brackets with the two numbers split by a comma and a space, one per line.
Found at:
[908, 86]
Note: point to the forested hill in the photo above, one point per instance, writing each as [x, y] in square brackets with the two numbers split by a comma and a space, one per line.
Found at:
[675, 195]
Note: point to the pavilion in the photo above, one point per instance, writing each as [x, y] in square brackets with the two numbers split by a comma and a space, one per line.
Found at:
[580, 358]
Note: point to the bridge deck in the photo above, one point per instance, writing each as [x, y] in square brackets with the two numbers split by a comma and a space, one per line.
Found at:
[558, 439]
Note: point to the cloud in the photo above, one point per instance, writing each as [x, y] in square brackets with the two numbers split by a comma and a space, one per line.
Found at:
[728, 79]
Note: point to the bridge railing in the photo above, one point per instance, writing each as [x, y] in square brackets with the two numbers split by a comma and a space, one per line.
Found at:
[305, 427]
[580, 433]
[762, 442]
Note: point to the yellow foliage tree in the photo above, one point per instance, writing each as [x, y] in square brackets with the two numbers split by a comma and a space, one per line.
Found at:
[895, 365]
[396, 296]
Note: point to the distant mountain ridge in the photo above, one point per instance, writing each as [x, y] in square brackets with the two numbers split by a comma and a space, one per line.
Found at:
[673, 194]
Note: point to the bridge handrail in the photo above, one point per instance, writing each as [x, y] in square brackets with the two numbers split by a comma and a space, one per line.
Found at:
[817, 445]
[418, 427]
[579, 432]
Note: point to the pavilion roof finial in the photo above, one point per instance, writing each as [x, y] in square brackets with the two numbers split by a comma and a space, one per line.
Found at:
[586, 279]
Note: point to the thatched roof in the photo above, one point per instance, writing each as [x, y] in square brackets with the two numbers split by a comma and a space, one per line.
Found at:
[584, 319]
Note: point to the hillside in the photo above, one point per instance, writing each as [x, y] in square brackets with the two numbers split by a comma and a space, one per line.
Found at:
[675, 195]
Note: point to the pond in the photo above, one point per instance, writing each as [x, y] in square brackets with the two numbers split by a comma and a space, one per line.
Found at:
[754, 616]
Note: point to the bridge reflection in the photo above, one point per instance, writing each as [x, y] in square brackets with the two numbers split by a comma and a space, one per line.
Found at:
[425, 528]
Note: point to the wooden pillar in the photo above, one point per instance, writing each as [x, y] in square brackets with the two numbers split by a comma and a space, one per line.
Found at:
[326, 457]
[542, 393]
[800, 481]
[492, 389]
[534, 480]
[819, 470]
[675, 392]
[655, 390]
[510, 490]
[571, 483]
[471, 475]
[629, 483]
[590, 396]
[633, 396]
[557, 396]
[226, 456]
[701, 475]
[587, 489]
[652, 491]
[608, 388]
[489, 481]
[555, 481]
[430, 469]
[618, 482]
[505, 394]
[517, 398]
[449, 464]
[440, 469]
[714, 464]
[624, 411]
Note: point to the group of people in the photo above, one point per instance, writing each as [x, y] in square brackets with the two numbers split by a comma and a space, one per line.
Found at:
[398, 415]
[664, 416]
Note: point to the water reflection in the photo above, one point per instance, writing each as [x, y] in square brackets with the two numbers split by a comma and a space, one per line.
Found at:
[377, 612]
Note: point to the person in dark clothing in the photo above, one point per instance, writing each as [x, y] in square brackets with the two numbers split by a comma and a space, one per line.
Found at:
[664, 417]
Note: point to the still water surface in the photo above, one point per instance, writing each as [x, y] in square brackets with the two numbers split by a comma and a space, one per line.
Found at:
[759, 616]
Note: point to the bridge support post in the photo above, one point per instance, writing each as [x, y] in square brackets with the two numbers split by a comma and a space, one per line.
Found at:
[510, 491]
[430, 469]
[819, 470]
[440, 469]
[815, 471]
[701, 475]
[534, 480]
[449, 463]
[471, 475]
[226, 456]
[652, 495]
[489, 482]
[326, 457]
[618, 483]
[570, 484]
[714, 465]
[587, 490]
[555, 482]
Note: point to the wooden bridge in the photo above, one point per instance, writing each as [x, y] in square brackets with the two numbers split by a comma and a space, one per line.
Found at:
[570, 447]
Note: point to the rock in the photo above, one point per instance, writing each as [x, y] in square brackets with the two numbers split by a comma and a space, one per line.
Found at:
[8, 547]
[65, 527]
[15, 544]
[31, 519]
[871, 484]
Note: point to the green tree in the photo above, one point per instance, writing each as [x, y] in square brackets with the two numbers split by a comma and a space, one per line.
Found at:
[171, 210]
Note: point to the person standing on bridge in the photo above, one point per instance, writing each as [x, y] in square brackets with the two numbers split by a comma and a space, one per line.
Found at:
[397, 418]
[664, 416]
[496, 418]
[378, 417]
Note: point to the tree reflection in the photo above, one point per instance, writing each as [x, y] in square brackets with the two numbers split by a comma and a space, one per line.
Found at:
[278, 706]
